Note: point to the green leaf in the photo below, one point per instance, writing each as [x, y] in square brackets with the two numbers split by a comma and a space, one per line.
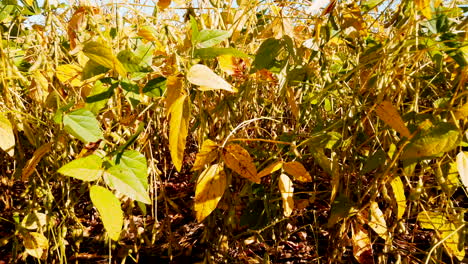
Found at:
[155, 87]
[101, 54]
[109, 208]
[92, 69]
[126, 182]
[209, 53]
[209, 37]
[266, 54]
[82, 124]
[433, 143]
[88, 168]
[98, 97]
[145, 53]
[375, 161]
[135, 162]
[195, 32]
[7, 137]
[129, 60]
[131, 92]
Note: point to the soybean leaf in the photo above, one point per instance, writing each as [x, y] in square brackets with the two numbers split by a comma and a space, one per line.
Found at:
[7, 137]
[436, 141]
[286, 188]
[109, 209]
[155, 87]
[88, 168]
[204, 77]
[209, 53]
[123, 179]
[135, 162]
[83, 125]
[209, 37]
[98, 97]
[238, 159]
[178, 130]
[210, 188]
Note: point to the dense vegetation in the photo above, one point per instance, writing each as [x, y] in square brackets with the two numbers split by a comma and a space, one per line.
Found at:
[233, 132]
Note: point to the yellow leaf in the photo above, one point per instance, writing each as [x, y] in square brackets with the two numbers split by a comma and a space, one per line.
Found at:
[399, 196]
[462, 166]
[389, 114]
[146, 33]
[69, 74]
[227, 64]
[32, 163]
[39, 91]
[286, 188]
[174, 91]
[210, 188]
[204, 77]
[7, 137]
[362, 247]
[101, 54]
[163, 4]
[270, 169]
[462, 112]
[424, 6]
[35, 244]
[207, 154]
[178, 130]
[377, 221]
[446, 230]
[297, 170]
[238, 159]
[292, 102]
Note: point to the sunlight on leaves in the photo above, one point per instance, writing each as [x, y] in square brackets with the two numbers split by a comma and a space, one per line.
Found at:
[362, 247]
[204, 77]
[389, 114]
[109, 209]
[102, 55]
[424, 6]
[210, 188]
[135, 162]
[122, 179]
[178, 130]
[88, 168]
[32, 163]
[286, 188]
[438, 140]
[445, 228]
[35, 244]
[69, 74]
[83, 125]
[297, 170]
[239, 160]
[462, 166]
[270, 169]
[399, 196]
[207, 154]
[7, 137]
[377, 221]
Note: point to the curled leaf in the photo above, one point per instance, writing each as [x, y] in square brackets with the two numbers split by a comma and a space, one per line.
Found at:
[286, 188]
[297, 170]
